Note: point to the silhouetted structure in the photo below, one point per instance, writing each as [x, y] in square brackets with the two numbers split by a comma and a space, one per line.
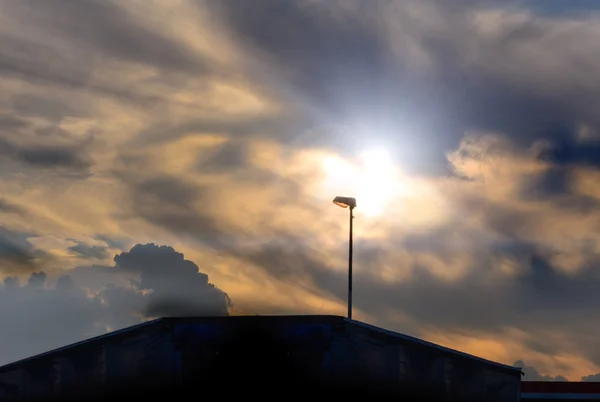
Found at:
[544, 391]
[263, 355]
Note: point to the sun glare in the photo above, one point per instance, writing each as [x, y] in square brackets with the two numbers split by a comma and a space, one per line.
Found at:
[372, 180]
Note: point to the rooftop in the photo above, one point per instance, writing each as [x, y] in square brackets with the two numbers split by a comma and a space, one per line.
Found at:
[260, 320]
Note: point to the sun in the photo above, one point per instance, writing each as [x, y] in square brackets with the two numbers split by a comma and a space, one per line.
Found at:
[372, 179]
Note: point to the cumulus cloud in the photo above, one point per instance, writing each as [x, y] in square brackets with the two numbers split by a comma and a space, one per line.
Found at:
[41, 317]
[178, 288]
[42, 314]
[531, 374]
[591, 378]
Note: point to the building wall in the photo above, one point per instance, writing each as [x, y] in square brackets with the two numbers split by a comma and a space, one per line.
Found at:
[541, 391]
[402, 360]
[98, 364]
[199, 351]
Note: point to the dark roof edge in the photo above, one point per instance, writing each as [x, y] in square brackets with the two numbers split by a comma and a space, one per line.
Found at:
[433, 345]
[323, 318]
[112, 334]
[136, 327]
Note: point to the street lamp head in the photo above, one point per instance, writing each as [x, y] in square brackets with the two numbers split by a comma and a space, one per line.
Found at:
[345, 202]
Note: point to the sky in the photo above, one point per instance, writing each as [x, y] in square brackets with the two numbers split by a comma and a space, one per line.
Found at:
[179, 157]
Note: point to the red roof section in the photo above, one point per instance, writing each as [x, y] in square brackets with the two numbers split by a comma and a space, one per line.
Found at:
[560, 387]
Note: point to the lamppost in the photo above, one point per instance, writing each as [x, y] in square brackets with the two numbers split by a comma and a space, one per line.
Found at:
[348, 202]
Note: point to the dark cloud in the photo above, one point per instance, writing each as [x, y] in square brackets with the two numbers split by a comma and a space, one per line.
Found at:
[531, 373]
[9, 207]
[555, 185]
[169, 190]
[23, 58]
[169, 202]
[40, 316]
[87, 251]
[275, 127]
[30, 105]
[591, 378]
[14, 133]
[8, 123]
[108, 28]
[41, 63]
[175, 205]
[326, 46]
[65, 282]
[230, 156]
[112, 241]
[63, 44]
[178, 287]
[16, 252]
[37, 280]
[548, 184]
[38, 63]
[52, 157]
[10, 282]
[47, 156]
[532, 300]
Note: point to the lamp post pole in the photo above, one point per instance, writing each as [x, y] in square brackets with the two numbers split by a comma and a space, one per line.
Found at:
[348, 202]
[350, 265]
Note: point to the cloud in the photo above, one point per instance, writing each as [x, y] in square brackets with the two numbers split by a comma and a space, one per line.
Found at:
[531, 373]
[46, 156]
[8, 207]
[591, 378]
[42, 317]
[165, 285]
[178, 288]
[87, 251]
[557, 7]
[420, 74]
[16, 252]
[85, 26]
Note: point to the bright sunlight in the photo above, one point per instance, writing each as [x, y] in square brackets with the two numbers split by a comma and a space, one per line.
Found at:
[372, 180]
